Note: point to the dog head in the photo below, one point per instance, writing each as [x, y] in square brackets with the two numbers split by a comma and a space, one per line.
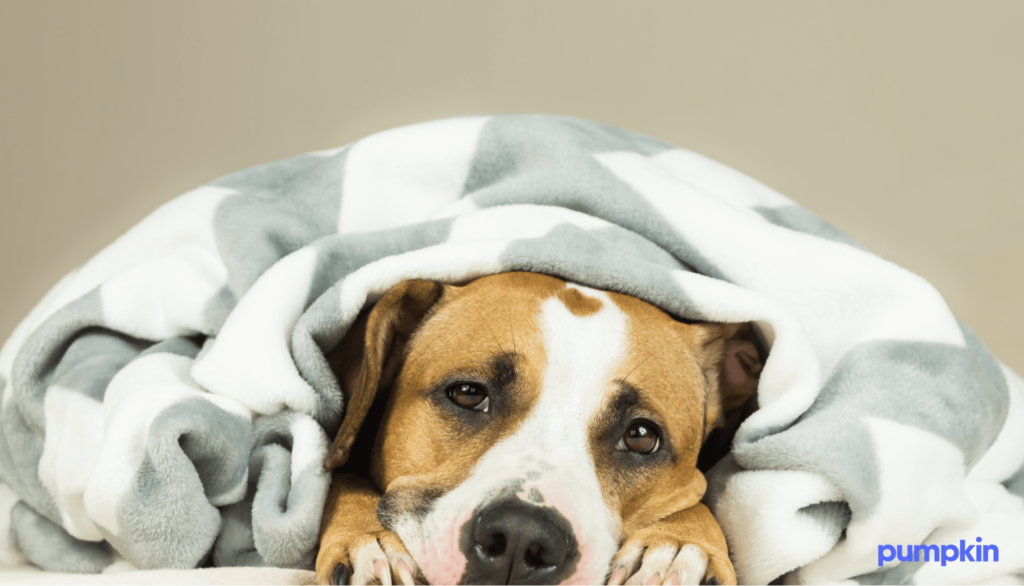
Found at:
[530, 424]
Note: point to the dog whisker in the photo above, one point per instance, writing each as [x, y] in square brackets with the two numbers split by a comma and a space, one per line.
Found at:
[495, 337]
[638, 366]
[649, 378]
[511, 329]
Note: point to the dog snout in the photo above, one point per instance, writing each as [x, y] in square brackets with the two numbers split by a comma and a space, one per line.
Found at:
[513, 542]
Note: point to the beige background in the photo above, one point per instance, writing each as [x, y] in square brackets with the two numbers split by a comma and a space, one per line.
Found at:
[900, 123]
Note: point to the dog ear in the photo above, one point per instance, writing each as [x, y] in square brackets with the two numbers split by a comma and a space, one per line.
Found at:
[732, 365]
[369, 355]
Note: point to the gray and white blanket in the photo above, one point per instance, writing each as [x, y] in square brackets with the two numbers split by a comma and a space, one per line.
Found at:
[171, 396]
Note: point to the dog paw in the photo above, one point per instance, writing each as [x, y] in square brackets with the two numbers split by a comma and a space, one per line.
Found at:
[373, 558]
[662, 559]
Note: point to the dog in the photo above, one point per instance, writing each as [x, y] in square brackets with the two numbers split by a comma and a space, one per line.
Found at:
[529, 430]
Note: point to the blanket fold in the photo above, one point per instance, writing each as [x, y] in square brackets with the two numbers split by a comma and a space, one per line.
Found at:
[172, 396]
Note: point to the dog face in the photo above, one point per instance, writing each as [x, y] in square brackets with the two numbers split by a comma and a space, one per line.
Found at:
[531, 423]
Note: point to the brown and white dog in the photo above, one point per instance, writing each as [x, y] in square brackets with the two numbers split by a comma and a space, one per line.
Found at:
[530, 431]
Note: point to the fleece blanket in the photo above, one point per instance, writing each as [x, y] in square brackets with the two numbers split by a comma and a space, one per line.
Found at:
[169, 401]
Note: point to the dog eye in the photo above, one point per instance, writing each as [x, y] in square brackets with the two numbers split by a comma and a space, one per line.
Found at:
[641, 437]
[469, 396]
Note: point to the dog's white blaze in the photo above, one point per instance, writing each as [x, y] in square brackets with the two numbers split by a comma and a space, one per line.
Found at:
[548, 454]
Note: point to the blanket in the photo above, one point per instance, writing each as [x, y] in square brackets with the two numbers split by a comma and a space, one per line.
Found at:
[170, 402]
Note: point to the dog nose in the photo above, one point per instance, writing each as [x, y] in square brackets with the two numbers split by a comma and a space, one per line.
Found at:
[512, 542]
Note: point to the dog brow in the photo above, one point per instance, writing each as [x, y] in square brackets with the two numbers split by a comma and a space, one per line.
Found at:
[503, 369]
[628, 396]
